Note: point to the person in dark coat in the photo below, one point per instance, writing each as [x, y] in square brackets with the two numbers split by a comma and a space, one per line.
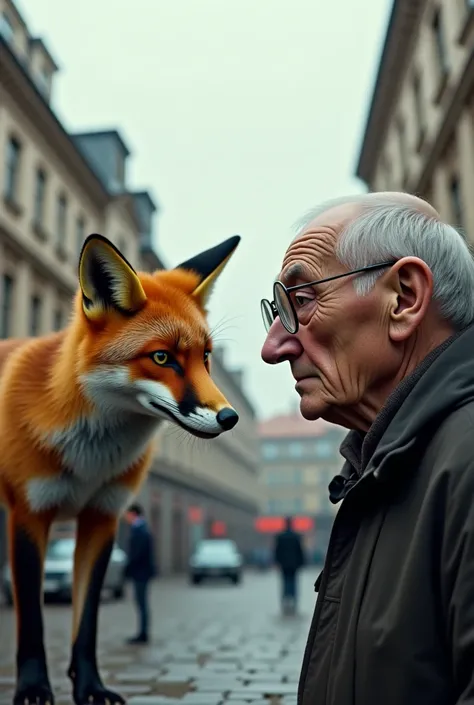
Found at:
[140, 569]
[378, 329]
[289, 557]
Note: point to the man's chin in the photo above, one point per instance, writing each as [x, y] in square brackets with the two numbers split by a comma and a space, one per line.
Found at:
[310, 408]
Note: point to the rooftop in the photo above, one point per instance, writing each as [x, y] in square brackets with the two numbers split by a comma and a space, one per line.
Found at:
[293, 426]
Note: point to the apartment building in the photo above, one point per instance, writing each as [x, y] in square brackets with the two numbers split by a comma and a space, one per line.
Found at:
[55, 189]
[299, 458]
[419, 135]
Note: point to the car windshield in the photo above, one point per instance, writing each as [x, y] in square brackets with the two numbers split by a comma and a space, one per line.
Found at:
[216, 547]
[61, 548]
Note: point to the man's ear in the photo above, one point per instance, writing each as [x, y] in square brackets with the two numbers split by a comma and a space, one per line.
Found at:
[107, 280]
[208, 265]
[411, 281]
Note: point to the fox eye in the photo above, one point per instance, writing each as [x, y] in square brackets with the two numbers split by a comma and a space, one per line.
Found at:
[160, 357]
[207, 355]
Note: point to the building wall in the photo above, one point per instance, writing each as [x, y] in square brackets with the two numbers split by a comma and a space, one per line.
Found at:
[427, 144]
[296, 473]
[298, 460]
[220, 477]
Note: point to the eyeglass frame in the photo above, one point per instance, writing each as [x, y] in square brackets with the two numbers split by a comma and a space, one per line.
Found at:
[287, 290]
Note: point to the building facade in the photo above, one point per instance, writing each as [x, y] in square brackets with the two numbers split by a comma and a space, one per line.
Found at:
[419, 135]
[299, 458]
[55, 189]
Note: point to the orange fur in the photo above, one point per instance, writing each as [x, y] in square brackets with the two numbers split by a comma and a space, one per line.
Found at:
[79, 410]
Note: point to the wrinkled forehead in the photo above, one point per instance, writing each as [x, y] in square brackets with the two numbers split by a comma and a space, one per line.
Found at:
[307, 257]
[313, 249]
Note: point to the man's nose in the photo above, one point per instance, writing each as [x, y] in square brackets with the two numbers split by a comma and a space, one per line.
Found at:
[280, 345]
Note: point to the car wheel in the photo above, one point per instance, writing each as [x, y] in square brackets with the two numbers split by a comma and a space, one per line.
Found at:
[195, 579]
[236, 579]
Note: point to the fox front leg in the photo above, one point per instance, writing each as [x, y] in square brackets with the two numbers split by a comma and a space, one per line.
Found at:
[94, 543]
[28, 536]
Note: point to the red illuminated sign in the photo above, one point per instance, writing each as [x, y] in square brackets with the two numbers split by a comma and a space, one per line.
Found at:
[272, 525]
[195, 515]
[218, 528]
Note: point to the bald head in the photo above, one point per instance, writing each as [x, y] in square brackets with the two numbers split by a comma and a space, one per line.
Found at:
[338, 212]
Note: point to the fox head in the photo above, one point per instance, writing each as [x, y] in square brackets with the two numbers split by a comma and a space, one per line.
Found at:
[144, 344]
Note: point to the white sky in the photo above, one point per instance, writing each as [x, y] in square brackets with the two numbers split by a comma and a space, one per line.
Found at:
[240, 115]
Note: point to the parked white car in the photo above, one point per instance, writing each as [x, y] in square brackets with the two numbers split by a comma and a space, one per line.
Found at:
[216, 558]
[58, 572]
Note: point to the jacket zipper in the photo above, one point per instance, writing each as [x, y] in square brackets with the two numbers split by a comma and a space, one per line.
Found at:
[324, 581]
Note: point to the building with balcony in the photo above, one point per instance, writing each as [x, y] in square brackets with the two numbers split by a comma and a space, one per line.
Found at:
[55, 189]
[419, 135]
[298, 460]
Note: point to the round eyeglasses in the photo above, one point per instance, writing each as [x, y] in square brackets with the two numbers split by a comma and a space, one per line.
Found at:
[282, 305]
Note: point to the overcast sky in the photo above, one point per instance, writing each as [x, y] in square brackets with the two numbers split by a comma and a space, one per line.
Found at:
[240, 116]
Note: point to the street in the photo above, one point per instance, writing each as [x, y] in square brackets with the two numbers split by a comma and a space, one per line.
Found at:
[211, 644]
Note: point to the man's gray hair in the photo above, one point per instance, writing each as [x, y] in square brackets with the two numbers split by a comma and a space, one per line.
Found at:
[387, 229]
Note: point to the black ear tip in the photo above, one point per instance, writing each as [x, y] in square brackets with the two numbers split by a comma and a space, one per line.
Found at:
[231, 243]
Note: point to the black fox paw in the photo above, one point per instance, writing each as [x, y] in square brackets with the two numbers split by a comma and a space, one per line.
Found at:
[34, 695]
[98, 696]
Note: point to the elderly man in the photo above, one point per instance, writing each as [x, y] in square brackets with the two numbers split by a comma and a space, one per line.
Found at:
[374, 311]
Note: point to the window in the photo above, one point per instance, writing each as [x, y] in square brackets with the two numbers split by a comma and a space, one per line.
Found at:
[270, 451]
[40, 188]
[58, 319]
[61, 221]
[295, 450]
[7, 304]
[35, 315]
[6, 27]
[324, 449]
[297, 505]
[12, 168]
[439, 39]
[80, 234]
[419, 106]
[456, 201]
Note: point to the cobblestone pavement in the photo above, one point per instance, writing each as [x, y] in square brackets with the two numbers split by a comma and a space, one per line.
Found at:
[211, 644]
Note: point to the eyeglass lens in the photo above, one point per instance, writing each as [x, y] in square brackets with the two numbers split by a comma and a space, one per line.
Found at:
[284, 307]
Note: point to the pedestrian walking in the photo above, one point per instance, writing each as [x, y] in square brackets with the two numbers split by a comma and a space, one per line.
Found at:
[290, 558]
[140, 569]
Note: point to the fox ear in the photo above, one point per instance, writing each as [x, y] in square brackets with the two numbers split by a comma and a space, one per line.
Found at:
[107, 280]
[208, 265]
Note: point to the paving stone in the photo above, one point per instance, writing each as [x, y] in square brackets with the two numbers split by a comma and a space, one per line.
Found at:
[268, 689]
[206, 643]
[151, 700]
[134, 689]
[137, 676]
[201, 699]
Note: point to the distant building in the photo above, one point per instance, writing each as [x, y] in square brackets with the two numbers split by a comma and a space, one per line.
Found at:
[419, 135]
[55, 189]
[298, 460]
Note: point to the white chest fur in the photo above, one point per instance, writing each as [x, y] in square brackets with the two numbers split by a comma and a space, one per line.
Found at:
[94, 454]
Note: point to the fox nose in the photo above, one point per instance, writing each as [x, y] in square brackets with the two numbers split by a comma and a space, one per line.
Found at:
[227, 418]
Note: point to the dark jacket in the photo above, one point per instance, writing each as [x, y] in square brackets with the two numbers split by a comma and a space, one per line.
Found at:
[394, 618]
[141, 563]
[288, 551]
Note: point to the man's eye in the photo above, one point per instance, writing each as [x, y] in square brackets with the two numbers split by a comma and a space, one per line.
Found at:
[301, 299]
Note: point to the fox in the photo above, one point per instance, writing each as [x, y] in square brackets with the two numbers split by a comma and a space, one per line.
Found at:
[79, 412]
